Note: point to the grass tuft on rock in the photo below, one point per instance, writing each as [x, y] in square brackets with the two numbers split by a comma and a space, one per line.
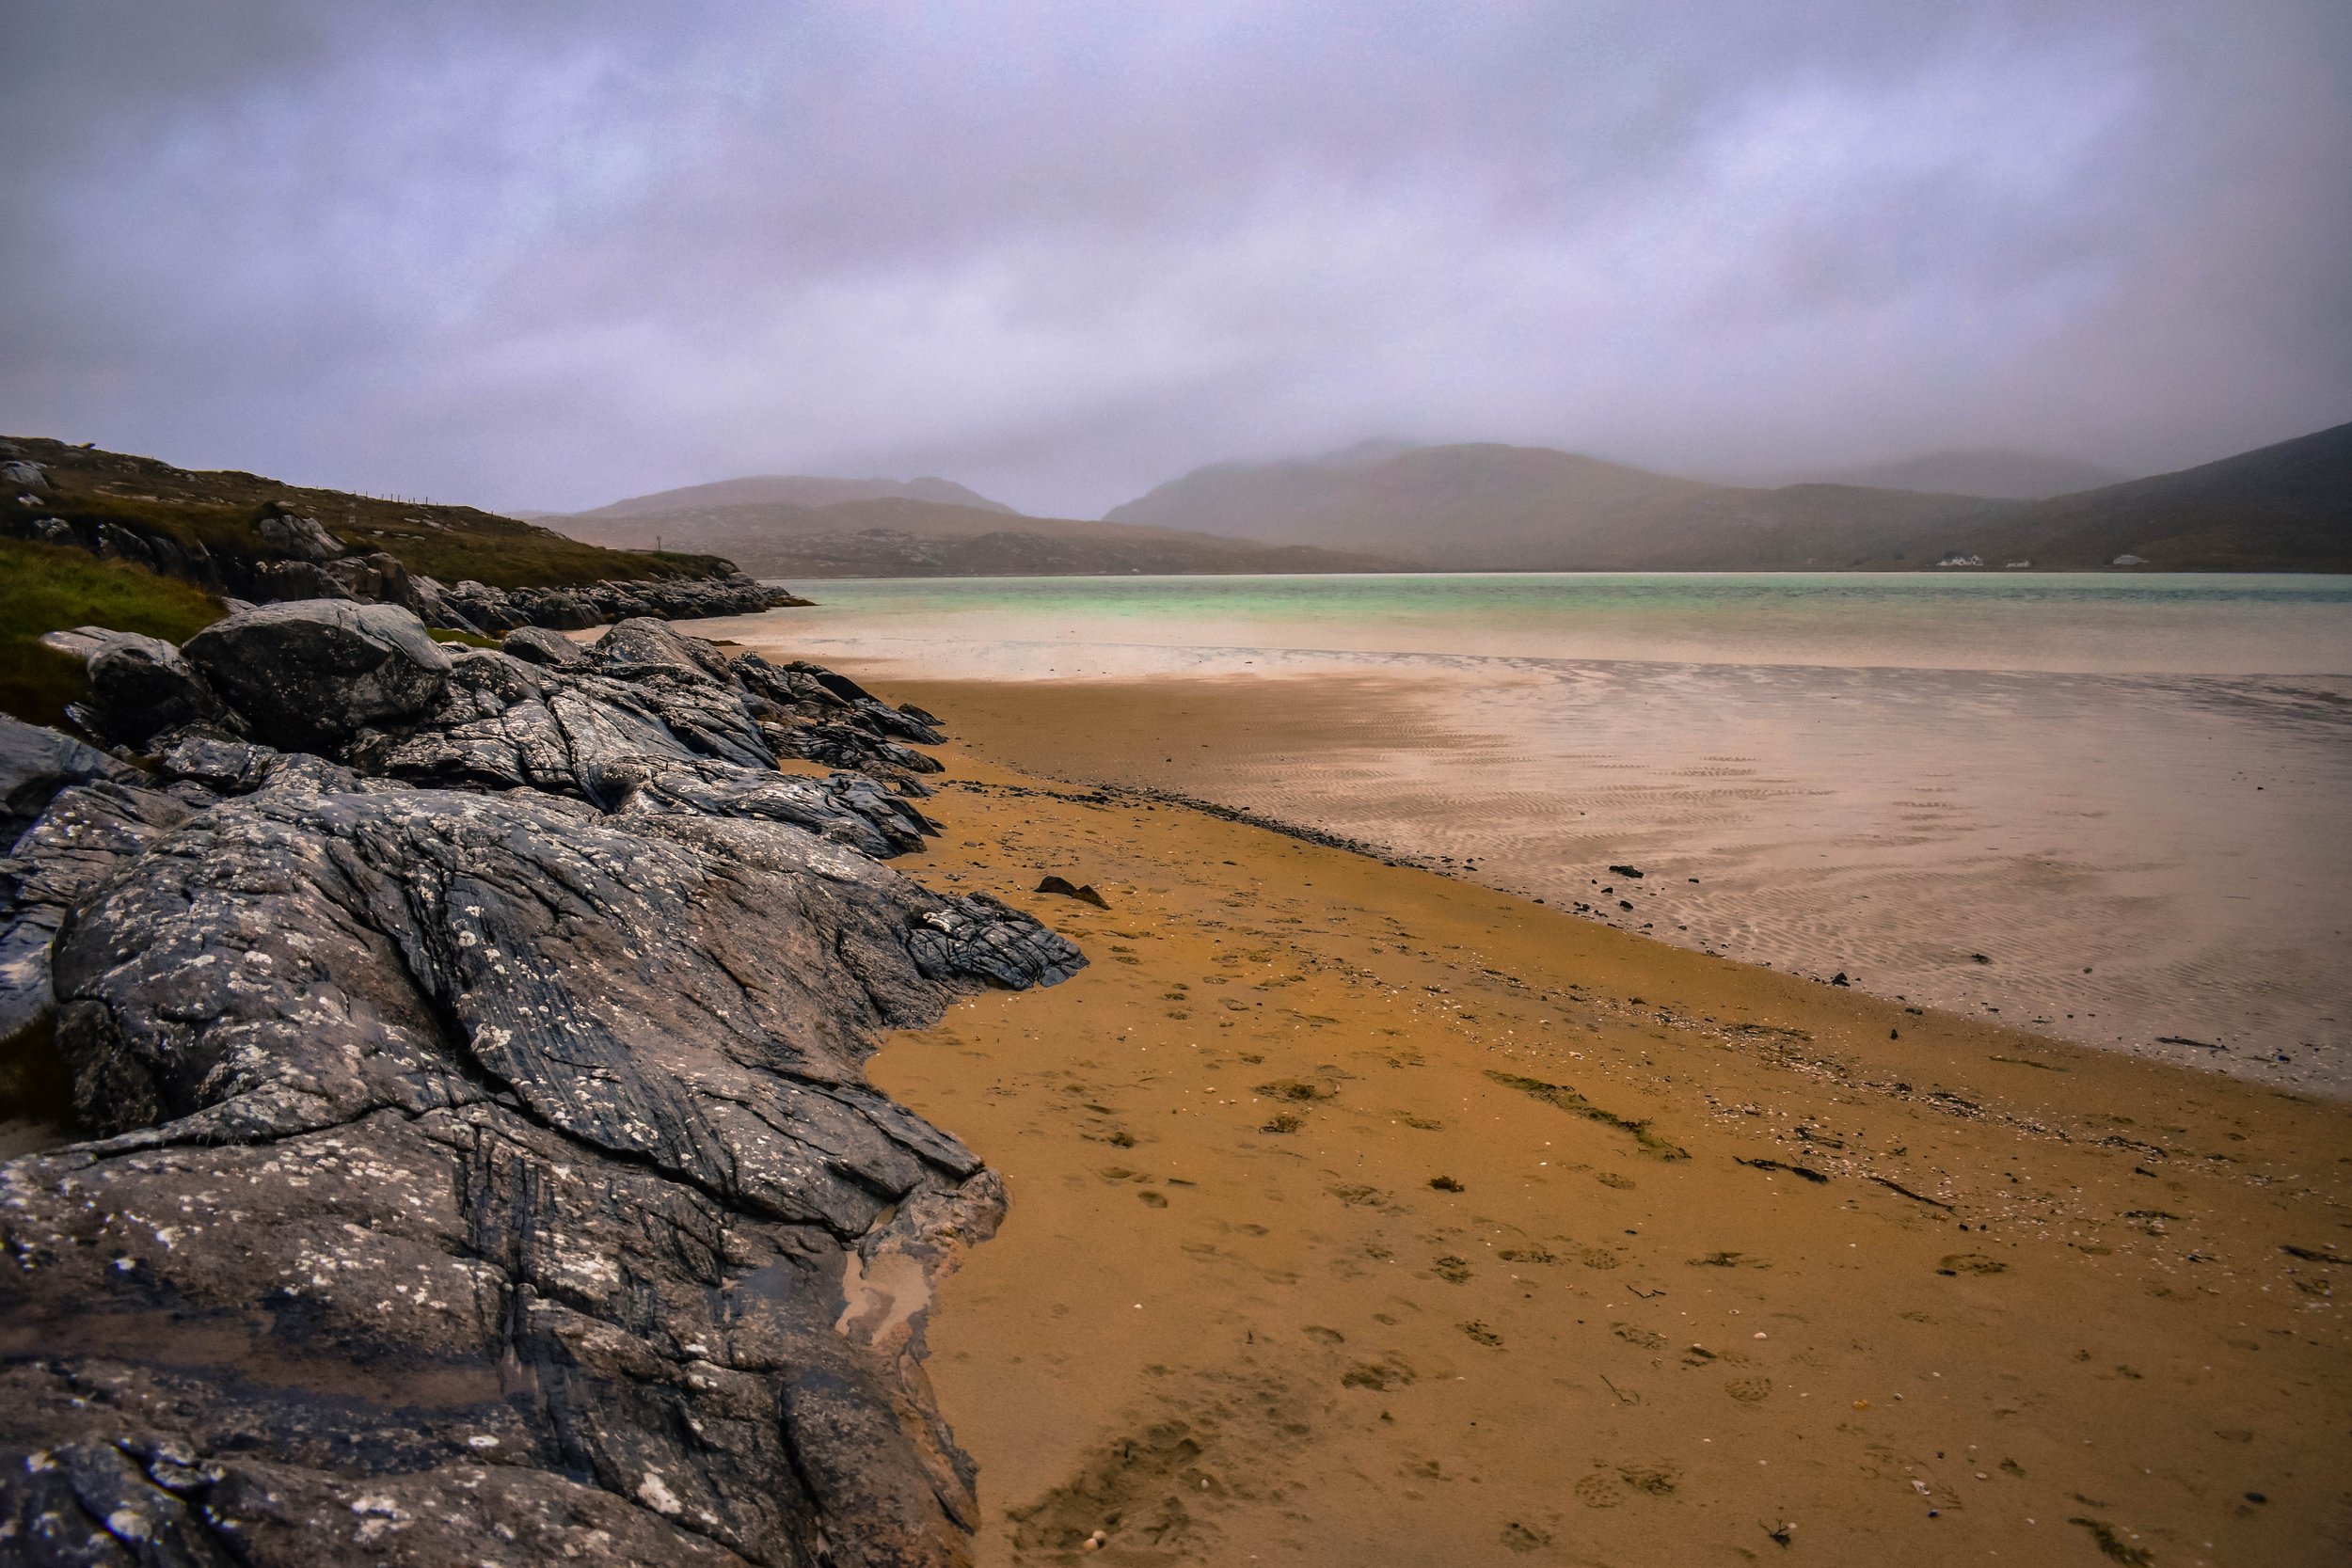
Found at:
[51, 587]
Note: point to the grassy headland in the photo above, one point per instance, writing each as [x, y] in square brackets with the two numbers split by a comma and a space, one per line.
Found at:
[219, 509]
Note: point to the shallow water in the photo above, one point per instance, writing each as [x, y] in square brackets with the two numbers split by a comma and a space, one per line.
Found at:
[2131, 794]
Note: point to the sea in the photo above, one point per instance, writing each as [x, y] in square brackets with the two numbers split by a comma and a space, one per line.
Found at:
[2115, 807]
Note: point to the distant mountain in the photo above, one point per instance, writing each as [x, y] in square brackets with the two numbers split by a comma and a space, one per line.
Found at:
[1499, 508]
[1496, 508]
[894, 536]
[2283, 507]
[1995, 471]
[797, 490]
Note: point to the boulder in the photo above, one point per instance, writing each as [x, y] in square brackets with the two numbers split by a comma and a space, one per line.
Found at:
[301, 538]
[140, 687]
[538, 645]
[36, 762]
[639, 647]
[311, 673]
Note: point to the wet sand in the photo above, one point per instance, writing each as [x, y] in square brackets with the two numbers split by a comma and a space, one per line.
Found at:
[1362, 1214]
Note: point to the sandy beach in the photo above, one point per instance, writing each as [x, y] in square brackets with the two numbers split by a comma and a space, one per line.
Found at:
[1365, 1214]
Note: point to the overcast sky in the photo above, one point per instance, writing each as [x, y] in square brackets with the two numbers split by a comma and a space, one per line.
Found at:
[551, 253]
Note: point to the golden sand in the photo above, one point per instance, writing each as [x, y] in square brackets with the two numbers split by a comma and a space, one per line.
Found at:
[1363, 1215]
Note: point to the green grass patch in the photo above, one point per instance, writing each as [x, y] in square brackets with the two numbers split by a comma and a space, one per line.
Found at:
[48, 588]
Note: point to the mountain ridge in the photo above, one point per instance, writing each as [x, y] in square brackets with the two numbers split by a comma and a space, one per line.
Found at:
[792, 490]
[1997, 473]
[898, 536]
[1491, 507]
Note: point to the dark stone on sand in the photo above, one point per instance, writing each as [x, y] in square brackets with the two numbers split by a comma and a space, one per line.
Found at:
[1839, 979]
[1626, 871]
[1067, 889]
[484, 1171]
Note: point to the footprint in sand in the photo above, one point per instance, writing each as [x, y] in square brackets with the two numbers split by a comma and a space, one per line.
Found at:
[1609, 1485]
[1972, 1262]
[1380, 1376]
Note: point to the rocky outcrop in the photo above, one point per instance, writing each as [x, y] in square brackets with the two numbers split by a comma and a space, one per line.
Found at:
[471, 607]
[312, 673]
[301, 559]
[484, 1172]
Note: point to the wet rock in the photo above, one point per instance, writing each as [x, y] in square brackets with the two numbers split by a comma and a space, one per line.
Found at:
[313, 673]
[1068, 889]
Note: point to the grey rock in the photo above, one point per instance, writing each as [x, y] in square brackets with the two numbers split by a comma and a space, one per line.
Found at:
[140, 687]
[538, 645]
[116, 543]
[36, 763]
[282, 581]
[301, 538]
[847, 745]
[87, 833]
[313, 673]
[220, 764]
[20, 475]
[545, 1143]
[637, 648]
[486, 1173]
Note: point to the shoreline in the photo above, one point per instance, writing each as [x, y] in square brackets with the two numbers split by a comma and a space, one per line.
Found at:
[1209, 1333]
[1386, 765]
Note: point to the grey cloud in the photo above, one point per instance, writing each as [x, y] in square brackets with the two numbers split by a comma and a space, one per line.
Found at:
[548, 254]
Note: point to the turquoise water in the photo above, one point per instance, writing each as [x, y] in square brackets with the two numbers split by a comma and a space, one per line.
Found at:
[2082, 622]
[2133, 794]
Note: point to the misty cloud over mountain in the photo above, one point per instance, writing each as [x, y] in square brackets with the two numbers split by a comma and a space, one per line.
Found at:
[547, 255]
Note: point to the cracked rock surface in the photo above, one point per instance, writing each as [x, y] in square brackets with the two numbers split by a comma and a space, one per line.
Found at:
[483, 1169]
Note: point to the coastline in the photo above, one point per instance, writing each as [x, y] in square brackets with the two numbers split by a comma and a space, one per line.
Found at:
[1212, 1339]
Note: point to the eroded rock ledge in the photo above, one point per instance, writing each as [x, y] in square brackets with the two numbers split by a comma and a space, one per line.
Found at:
[487, 1175]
